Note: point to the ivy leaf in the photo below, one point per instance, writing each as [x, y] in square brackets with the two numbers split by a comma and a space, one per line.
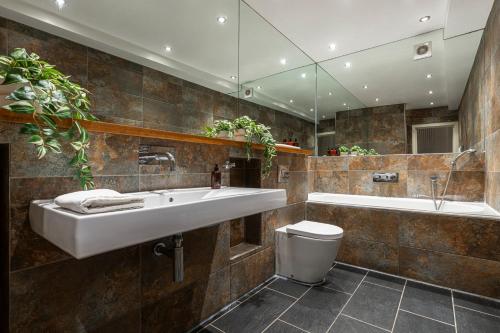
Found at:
[41, 151]
[12, 78]
[19, 54]
[30, 129]
[77, 145]
[20, 107]
[53, 145]
[36, 140]
[49, 121]
[23, 93]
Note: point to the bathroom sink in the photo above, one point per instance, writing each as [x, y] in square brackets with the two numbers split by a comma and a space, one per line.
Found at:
[166, 212]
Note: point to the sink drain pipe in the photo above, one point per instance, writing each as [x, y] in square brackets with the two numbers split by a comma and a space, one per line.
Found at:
[161, 249]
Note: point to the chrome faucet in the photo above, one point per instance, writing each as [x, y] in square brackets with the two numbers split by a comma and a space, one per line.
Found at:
[228, 165]
[146, 156]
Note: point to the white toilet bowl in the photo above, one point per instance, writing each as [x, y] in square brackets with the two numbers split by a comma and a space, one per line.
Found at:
[305, 251]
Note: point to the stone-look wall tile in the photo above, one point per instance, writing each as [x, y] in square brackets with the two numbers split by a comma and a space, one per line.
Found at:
[225, 107]
[277, 218]
[374, 255]
[162, 115]
[457, 235]
[442, 162]
[331, 182]
[375, 225]
[70, 58]
[161, 87]
[311, 163]
[492, 159]
[114, 154]
[465, 273]
[158, 182]
[3, 36]
[463, 186]
[294, 162]
[101, 293]
[206, 251]
[332, 163]
[251, 271]
[116, 88]
[187, 306]
[311, 180]
[382, 163]
[361, 183]
[296, 188]
[492, 194]
[237, 231]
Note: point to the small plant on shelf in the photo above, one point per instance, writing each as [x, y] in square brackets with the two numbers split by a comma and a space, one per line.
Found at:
[33, 86]
[221, 128]
[343, 150]
[356, 150]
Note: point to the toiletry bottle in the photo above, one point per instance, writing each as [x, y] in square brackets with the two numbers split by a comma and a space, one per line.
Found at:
[215, 181]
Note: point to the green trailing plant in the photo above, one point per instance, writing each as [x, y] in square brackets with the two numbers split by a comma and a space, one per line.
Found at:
[343, 149]
[254, 132]
[356, 149]
[47, 95]
[220, 126]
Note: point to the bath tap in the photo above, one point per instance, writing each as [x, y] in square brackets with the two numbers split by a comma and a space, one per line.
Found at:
[144, 159]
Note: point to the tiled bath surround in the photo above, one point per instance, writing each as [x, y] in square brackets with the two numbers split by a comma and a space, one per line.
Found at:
[480, 107]
[353, 175]
[130, 290]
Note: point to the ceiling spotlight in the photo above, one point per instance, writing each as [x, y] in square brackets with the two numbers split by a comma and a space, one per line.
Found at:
[429, 76]
[168, 48]
[344, 104]
[311, 109]
[60, 3]
[425, 18]
[377, 99]
[430, 92]
[222, 19]
[283, 61]
[303, 75]
[332, 46]
[330, 93]
[348, 65]
[291, 101]
[233, 77]
[431, 103]
[259, 87]
[365, 87]
[323, 117]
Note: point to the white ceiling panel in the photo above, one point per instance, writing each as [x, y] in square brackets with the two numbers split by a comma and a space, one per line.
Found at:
[466, 15]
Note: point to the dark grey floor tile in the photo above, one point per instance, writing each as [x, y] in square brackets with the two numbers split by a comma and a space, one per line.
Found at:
[469, 321]
[282, 327]
[252, 292]
[344, 278]
[288, 287]
[316, 310]
[345, 324]
[256, 313]
[385, 280]
[209, 329]
[374, 304]
[477, 303]
[411, 323]
[429, 301]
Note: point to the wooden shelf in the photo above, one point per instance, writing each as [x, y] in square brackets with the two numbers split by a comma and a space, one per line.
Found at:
[111, 128]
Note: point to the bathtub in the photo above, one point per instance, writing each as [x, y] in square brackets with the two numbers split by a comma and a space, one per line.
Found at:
[476, 209]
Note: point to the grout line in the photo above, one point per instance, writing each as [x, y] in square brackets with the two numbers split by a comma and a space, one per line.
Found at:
[485, 313]
[399, 306]
[279, 292]
[218, 329]
[339, 291]
[416, 314]
[364, 322]
[379, 285]
[338, 315]
[293, 325]
[286, 310]
[454, 315]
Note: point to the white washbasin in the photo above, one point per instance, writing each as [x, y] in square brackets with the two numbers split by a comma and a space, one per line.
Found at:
[165, 213]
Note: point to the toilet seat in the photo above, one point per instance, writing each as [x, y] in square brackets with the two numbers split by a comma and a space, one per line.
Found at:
[315, 230]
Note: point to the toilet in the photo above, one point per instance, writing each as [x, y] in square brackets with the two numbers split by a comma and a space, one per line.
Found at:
[305, 251]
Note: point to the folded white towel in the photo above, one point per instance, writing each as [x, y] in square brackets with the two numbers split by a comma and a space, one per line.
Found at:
[98, 201]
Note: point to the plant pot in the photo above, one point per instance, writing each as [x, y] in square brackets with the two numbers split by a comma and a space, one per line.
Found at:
[354, 154]
[239, 135]
[223, 135]
[5, 91]
[342, 153]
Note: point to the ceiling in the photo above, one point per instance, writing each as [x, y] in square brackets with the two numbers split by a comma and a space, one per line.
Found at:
[377, 37]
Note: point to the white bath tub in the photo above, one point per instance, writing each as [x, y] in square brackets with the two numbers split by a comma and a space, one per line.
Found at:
[478, 209]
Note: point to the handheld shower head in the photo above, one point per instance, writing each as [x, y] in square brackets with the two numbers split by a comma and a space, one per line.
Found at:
[468, 151]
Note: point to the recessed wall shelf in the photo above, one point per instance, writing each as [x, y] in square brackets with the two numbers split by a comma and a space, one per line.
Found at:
[111, 128]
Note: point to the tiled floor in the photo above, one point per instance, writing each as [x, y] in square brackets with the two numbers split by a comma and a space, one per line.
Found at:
[355, 300]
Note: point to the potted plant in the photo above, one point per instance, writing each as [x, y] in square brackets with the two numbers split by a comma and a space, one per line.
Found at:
[32, 86]
[343, 150]
[241, 127]
[372, 152]
[356, 150]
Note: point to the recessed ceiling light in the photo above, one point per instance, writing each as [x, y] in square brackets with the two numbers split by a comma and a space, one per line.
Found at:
[303, 75]
[348, 65]
[324, 117]
[233, 77]
[311, 109]
[283, 61]
[431, 103]
[222, 19]
[344, 104]
[365, 87]
[429, 76]
[425, 18]
[259, 87]
[291, 101]
[332, 46]
[377, 99]
[60, 3]
[430, 92]
[330, 93]
[168, 48]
